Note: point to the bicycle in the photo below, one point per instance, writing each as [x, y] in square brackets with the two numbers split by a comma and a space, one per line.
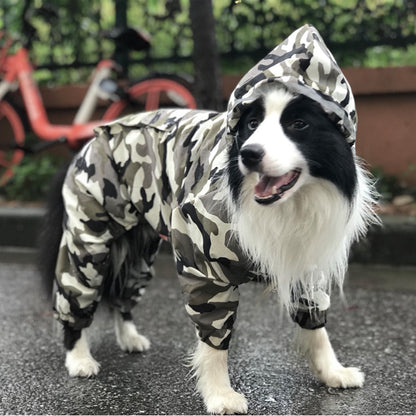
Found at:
[16, 71]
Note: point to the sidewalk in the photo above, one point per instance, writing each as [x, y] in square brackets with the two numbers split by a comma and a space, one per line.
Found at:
[393, 244]
[373, 331]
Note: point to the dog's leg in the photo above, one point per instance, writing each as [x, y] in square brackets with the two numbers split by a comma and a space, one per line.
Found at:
[79, 361]
[317, 348]
[128, 338]
[213, 382]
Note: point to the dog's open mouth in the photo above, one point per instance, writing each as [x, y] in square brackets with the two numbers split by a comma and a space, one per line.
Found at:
[270, 189]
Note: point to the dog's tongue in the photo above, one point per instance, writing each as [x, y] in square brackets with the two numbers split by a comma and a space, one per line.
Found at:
[269, 185]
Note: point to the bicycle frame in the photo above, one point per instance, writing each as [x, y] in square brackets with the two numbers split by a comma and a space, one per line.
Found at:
[17, 73]
[19, 69]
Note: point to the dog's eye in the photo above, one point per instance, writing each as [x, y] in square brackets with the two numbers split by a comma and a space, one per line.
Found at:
[253, 124]
[299, 125]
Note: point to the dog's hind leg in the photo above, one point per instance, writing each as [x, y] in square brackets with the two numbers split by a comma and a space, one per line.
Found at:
[213, 382]
[135, 254]
[315, 345]
[79, 361]
[128, 338]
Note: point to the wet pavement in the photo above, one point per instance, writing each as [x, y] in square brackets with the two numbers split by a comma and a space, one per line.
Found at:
[375, 330]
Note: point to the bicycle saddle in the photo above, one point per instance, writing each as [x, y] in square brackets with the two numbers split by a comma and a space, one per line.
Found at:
[128, 37]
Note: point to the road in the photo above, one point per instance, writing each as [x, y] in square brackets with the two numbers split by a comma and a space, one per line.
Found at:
[375, 330]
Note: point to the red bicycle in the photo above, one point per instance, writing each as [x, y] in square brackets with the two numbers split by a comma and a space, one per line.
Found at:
[16, 72]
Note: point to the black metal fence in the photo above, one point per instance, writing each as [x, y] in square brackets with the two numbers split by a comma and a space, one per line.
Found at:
[246, 29]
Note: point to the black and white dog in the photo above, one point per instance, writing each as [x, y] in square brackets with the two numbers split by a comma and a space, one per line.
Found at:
[303, 199]
[273, 185]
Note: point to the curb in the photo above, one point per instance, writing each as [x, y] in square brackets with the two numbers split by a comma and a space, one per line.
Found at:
[394, 243]
[20, 226]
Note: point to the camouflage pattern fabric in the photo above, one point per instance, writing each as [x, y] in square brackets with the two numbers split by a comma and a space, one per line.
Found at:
[311, 313]
[165, 170]
[152, 168]
[303, 65]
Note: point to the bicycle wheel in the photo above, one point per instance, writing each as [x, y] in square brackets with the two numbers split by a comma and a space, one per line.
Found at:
[12, 134]
[150, 94]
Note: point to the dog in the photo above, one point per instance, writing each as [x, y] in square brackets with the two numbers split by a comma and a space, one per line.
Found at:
[270, 188]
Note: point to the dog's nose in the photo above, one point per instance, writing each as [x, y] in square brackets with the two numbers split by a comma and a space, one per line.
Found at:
[252, 155]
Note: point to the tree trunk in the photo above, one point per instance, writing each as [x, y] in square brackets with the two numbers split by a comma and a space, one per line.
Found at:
[121, 55]
[208, 89]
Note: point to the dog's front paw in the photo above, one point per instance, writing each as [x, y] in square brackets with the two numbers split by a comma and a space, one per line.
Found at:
[129, 339]
[134, 342]
[226, 402]
[344, 377]
[78, 366]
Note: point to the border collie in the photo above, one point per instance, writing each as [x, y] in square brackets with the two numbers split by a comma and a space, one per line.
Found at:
[272, 187]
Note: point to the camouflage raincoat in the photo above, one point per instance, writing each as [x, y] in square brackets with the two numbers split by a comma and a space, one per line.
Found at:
[166, 169]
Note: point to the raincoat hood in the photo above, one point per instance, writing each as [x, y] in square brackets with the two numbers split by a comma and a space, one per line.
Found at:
[302, 64]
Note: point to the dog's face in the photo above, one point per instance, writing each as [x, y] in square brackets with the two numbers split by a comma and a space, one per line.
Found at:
[284, 142]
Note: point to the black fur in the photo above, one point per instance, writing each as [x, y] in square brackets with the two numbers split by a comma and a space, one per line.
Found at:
[138, 245]
[127, 316]
[254, 111]
[51, 232]
[71, 336]
[324, 147]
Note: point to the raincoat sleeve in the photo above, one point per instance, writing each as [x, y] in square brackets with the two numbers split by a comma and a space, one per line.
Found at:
[310, 310]
[96, 212]
[208, 268]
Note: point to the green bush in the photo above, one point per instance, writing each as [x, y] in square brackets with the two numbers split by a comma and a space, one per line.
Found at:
[31, 178]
